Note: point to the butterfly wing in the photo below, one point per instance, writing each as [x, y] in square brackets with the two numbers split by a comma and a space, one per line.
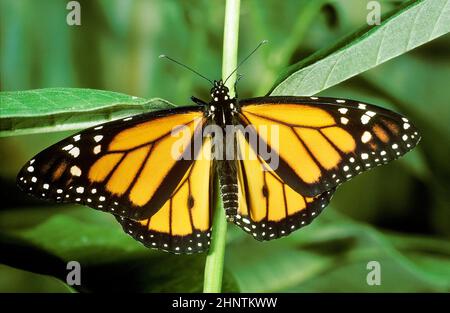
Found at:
[183, 224]
[268, 207]
[323, 142]
[128, 167]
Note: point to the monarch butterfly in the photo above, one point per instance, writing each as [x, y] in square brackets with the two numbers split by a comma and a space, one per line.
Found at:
[163, 198]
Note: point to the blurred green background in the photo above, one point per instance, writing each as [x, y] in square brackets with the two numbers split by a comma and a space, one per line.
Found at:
[397, 214]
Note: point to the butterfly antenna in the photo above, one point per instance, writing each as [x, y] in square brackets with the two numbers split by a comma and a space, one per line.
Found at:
[163, 56]
[246, 58]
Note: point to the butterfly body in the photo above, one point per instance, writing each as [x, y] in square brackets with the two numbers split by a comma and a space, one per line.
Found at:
[278, 161]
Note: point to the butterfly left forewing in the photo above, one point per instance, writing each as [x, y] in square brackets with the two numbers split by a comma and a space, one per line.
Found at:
[125, 167]
[323, 142]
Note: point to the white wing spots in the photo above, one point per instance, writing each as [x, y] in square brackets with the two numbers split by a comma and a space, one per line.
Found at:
[362, 106]
[365, 119]
[394, 146]
[246, 221]
[101, 198]
[93, 190]
[343, 110]
[30, 169]
[78, 199]
[97, 149]
[31, 162]
[127, 119]
[46, 186]
[77, 137]
[352, 160]
[98, 138]
[216, 99]
[68, 147]
[33, 179]
[383, 152]
[313, 98]
[406, 125]
[366, 136]
[357, 168]
[59, 191]
[364, 156]
[340, 101]
[344, 120]
[346, 168]
[405, 137]
[98, 127]
[75, 171]
[404, 119]
[80, 189]
[75, 152]
[370, 113]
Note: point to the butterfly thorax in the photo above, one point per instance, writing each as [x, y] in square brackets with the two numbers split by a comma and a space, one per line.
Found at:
[222, 106]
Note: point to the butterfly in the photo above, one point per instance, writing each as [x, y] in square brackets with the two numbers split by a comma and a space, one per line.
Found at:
[277, 170]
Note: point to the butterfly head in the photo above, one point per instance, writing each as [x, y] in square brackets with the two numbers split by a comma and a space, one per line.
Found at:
[219, 92]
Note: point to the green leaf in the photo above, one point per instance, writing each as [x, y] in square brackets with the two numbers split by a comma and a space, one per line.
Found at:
[413, 24]
[57, 109]
[109, 259]
[334, 249]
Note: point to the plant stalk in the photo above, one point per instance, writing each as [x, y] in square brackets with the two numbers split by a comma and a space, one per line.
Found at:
[216, 254]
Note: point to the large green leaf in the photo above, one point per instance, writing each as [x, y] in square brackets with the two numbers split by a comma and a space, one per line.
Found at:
[56, 109]
[412, 25]
[332, 255]
[110, 260]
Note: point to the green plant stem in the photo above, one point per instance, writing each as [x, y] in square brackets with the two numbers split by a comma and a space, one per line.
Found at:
[216, 254]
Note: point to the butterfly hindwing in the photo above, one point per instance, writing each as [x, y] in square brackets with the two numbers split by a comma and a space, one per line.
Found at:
[126, 167]
[323, 142]
[183, 224]
[268, 207]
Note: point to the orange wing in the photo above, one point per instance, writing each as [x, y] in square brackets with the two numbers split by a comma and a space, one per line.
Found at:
[322, 142]
[127, 167]
[183, 224]
[268, 207]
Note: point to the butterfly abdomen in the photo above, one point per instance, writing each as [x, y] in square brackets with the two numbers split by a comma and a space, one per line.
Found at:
[228, 188]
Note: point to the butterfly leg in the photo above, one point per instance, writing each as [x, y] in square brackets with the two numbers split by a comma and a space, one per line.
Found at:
[198, 101]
